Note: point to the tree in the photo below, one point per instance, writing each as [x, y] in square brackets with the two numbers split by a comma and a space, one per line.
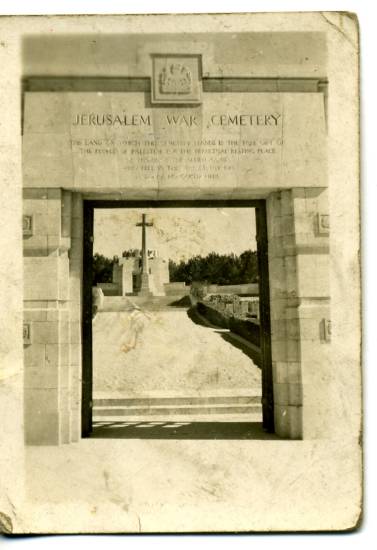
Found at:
[221, 269]
[249, 262]
[102, 269]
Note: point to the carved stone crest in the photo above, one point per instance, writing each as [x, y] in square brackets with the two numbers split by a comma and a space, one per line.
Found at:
[175, 79]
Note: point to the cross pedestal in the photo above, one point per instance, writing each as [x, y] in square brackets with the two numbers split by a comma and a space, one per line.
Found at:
[145, 287]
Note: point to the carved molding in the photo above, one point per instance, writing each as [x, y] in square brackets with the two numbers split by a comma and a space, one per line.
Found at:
[326, 330]
[27, 334]
[27, 225]
[323, 224]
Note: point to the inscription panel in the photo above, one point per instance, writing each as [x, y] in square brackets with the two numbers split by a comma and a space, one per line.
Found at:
[230, 141]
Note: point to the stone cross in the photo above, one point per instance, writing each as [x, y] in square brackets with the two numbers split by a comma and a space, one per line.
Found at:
[145, 283]
[144, 255]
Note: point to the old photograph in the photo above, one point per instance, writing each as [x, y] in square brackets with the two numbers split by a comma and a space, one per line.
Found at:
[176, 335]
[188, 360]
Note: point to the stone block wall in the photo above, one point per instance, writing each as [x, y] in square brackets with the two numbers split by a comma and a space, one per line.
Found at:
[109, 289]
[52, 315]
[75, 307]
[298, 234]
[127, 266]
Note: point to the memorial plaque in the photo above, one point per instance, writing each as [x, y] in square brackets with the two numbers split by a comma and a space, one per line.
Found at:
[246, 139]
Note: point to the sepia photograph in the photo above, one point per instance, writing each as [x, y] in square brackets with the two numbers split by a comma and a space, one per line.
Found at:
[176, 327]
[189, 286]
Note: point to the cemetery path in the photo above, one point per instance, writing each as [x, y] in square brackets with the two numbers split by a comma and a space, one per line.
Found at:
[163, 353]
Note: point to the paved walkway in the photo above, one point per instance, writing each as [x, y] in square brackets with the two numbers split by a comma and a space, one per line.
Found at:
[166, 353]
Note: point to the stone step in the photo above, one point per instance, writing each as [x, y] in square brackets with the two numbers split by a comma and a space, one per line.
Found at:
[176, 410]
[156, 420]
[177, 400]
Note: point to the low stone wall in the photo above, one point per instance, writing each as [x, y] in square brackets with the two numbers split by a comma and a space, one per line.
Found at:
[250, 289]
[247, 328]
[212, 315]
[109, 289]
[173, 289]
[240, 307]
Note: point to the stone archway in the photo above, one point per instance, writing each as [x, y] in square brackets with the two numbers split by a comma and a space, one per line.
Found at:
[69, 159]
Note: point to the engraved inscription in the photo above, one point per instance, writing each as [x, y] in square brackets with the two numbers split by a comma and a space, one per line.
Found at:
[123, 120]
[184, 160]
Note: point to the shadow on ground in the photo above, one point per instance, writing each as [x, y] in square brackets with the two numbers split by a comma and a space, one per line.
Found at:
[184, 302]
[198, 319]
[254, 355]
[226, 335]
[180, 430]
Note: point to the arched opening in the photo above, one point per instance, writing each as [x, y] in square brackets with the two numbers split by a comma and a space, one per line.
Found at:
[208, 410]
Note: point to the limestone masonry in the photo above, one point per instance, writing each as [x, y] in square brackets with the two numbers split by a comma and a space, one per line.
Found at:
[171, 118]
[127, 272]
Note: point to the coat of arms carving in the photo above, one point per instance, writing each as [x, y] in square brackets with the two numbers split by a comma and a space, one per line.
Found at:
[175, 79]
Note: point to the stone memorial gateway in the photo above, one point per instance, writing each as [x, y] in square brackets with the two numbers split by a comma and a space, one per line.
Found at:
[180, 118]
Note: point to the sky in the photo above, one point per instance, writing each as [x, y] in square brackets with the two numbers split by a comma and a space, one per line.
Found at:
[177, 233]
